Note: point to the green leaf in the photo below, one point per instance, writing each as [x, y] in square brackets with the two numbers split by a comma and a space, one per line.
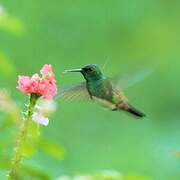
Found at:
[12, 25]
[53, 149]
[137, 177]
[6, 66]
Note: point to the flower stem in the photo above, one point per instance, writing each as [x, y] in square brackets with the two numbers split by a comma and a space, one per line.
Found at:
[22, 138]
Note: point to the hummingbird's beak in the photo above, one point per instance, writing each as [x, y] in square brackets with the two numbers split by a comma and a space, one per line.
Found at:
[73, 70]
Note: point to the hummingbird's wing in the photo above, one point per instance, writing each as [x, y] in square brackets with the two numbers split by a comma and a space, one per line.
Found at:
[76, 92]
[126, 81]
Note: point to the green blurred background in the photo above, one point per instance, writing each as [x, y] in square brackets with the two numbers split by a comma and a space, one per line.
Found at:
[84, 138]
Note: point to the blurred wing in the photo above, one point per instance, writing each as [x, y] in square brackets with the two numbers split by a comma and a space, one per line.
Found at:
[76, 92]
[126, 81]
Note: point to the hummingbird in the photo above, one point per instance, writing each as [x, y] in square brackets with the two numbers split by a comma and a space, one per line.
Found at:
[97, 87]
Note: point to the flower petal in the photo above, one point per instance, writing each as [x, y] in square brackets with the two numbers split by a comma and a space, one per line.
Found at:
[38, 118]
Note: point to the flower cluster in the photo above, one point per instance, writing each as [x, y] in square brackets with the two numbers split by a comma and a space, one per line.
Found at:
[44, 85]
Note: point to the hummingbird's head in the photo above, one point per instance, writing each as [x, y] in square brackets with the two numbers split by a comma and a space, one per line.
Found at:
[90, 72]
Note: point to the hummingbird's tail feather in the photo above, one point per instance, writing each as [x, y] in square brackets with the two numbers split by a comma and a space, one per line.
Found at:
[132, 110]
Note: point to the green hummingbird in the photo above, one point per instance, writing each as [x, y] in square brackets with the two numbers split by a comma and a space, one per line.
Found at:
[108, 92]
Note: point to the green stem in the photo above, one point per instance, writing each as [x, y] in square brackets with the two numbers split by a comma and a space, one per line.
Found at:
[22, 138]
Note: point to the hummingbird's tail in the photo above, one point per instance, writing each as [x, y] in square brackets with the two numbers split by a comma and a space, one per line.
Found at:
[132, 110]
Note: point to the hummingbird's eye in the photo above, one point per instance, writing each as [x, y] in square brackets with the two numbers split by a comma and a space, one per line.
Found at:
[90, 69]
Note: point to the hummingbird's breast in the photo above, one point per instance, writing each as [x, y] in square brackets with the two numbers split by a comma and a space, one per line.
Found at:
[104, 94]
[100, 89]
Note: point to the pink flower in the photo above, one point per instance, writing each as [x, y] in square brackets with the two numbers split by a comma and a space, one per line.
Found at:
[44, 86]
[40, 119]
[47, 69]
[42, 109]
